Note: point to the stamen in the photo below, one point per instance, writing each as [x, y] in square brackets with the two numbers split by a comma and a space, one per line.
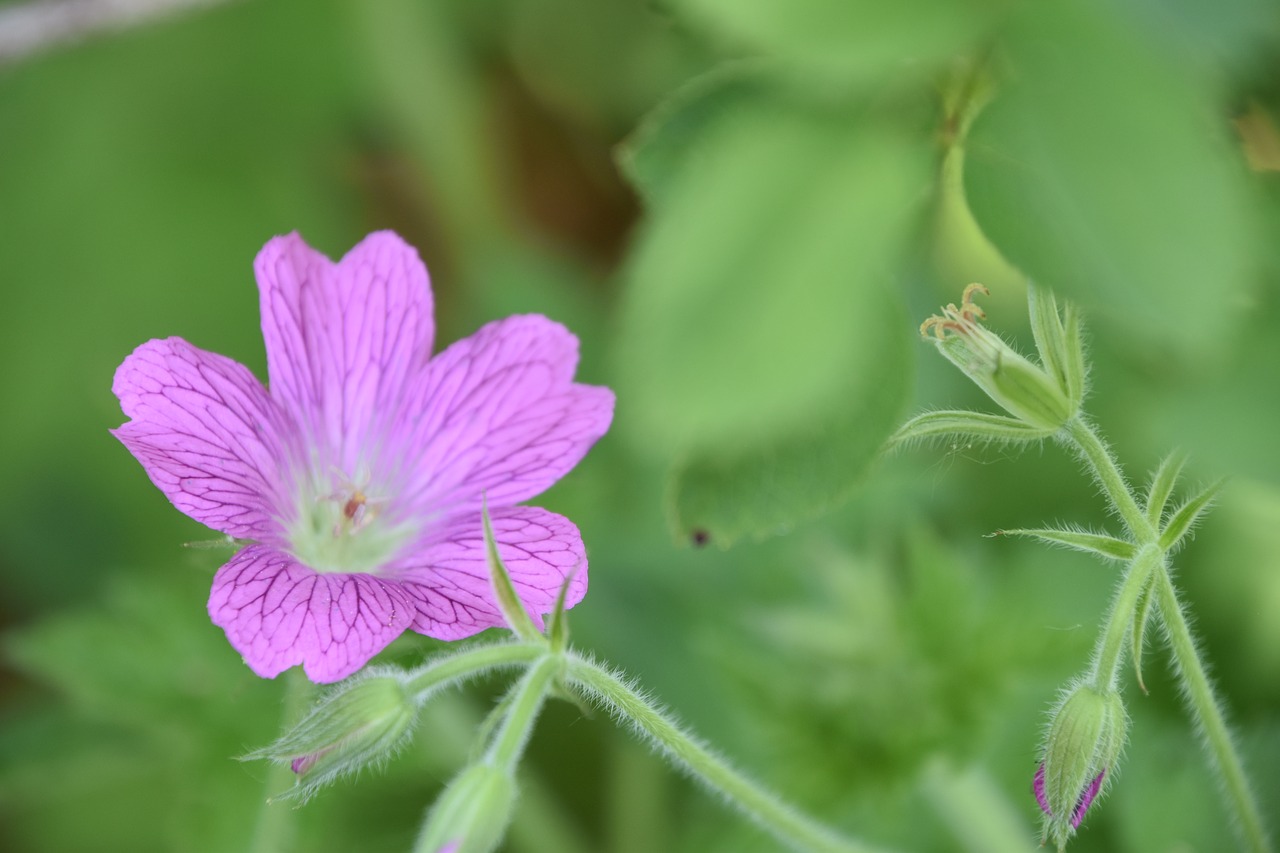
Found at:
[960, 319]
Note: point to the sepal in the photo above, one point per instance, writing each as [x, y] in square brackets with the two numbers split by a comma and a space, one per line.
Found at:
[1057, 336]
[472, 814]
[558, 623]
[362, 722]
[1086, 736]
[504, 591]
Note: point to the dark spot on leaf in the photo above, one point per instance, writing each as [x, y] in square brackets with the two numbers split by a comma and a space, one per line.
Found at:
[700, 537]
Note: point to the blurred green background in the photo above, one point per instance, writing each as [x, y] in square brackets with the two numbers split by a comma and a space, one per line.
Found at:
[744, 208]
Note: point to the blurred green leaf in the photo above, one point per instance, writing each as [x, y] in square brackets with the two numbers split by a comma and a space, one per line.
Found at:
[845, 38]
[599, 62]
[675, 135]
[756, 290]
[148, 657]
[141, 173]
[1218, 35]
[1102, 171]
[171, 704]
[758, 491]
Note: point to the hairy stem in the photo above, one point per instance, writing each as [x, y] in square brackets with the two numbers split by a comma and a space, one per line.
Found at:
[528, 697]
[1108, 475]
[1109, 655]
[1207, 713]
[1204, 707]
[468, 664]
[784, 822]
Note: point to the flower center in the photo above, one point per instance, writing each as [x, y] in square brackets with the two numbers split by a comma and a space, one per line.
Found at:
[344, 529]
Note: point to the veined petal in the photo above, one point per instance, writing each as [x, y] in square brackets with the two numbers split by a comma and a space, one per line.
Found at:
[498, 415]
[448, 577]
[343, 339]
[278, 613]
[207, 433]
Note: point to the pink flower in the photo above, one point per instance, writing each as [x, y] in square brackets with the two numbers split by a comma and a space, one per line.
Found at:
[1082, 804]
[360, 476]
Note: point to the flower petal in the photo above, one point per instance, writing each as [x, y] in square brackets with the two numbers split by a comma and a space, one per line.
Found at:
[498, 415]
[342, 339]
[1086, 798]
[207, 433]
[1037, 787]
[278, 613]
[449, 576]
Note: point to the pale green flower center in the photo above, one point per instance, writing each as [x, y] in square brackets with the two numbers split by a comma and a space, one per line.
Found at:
[344, 529]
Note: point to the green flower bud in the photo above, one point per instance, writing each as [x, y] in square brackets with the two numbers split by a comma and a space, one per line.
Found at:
[362, 722]
[1025, 390]
[1086, 736]
[472, 814]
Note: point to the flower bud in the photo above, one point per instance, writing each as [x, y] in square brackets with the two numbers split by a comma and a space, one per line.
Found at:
[1023, 389]
[361, 723]
[472, 814]
[1086, 737]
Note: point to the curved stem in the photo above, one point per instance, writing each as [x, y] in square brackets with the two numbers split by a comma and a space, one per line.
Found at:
[528, 697]
[1207, 712]
[1109, 653]
[1109, 476]
[468, 664]
[788, 825]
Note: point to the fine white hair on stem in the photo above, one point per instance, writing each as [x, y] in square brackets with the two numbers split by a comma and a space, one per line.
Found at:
[645, 734]
[1095, 475]
[656, 727]
[29, 28]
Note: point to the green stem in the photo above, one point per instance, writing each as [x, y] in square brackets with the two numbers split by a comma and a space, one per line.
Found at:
[1206, 710]
[788, 825]
[1108, 475]
[274, 830]
[1108, 657]
[468, 664]
[1203, 705]
[528, 697]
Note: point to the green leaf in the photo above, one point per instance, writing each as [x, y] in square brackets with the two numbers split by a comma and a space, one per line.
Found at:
[757, 286]
[846, 39]
[1105, 546]
[1186, 516]
[143, 673]
[1103, 171]
[1162, 485]
[956, 423]
[759, 491]
[675, 133]
[146, 657]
